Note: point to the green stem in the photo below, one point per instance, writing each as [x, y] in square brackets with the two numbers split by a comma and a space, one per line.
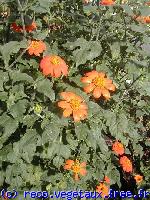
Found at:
[22, 17]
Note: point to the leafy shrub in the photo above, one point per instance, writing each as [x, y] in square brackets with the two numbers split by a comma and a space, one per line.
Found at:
[75, 94]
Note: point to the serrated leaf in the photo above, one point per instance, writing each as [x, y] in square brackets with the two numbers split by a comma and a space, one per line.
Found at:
[10, 127]
[26, 147]
[45, 87]
[18, 109]
[10, 48]
[88, 50]
[50, 133]
[3, 78]
[18, 76]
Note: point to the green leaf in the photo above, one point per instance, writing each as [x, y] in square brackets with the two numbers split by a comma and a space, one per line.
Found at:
[18, 76]
[18, 109]
[81, 131]
[26, 146]
[118, 125]
[51, 132]
[10, 127]
[10, 48]
[45, 87]
[88, 50]
[58, 161]
[137, 28]
[3, 78]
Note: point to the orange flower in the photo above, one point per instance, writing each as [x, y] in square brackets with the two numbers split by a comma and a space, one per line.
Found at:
[76, 167]
[107, 2]
[138, 178]
[36, 47]
[126, 164]
[118, 148]
[16, 27]
[73, 105]
[103, 189]
[30, 28]
[98, 84]
[53, 65]
[142, 19]
[107, 179]
[19, 29]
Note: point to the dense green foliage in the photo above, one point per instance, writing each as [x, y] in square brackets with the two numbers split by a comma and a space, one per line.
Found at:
[35, 139]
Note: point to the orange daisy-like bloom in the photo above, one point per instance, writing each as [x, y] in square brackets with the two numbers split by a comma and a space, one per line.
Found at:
[36, 47]
[19, 29]
[107, 2]
[73, 105]
[76, 167]
[98, 84]
[107, 179]
[142, 19]
[126, 164]
[54, 65]
[138, 178]
[118, 148]
[103, 189]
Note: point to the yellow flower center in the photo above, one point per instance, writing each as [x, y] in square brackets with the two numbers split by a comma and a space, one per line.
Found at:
[100, 82]
[55, 61]
[76, 167]
[35, 45]
[75, 104]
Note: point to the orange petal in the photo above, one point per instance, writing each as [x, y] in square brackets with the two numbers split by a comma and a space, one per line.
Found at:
[67, 112]
[110, 87]
[89, 88]
[76, 116]
[101, 74]
[83, 172]
[64, 70]
[79, 115]
[106, 94]
[57, 72]
[93, 74]
[63, 104]
[86, 80]
[83, 164]
[76, 177]
[108, 81]
[68, 164]
[67, 95]
[97, 92]
[48, 71]
[83, 106]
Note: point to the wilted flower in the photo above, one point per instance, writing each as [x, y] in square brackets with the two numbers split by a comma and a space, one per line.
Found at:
[19, 28]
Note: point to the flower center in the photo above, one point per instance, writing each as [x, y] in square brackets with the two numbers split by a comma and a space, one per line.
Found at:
[35, 44]
[75, 104]
[76, 167]
[55, 61]
[100, 82]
